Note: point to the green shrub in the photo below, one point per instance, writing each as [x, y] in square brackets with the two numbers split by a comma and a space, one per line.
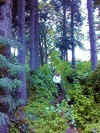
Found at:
[94, 84]
[83, 67]
[9, 71]
[85, 111]
[41, 83]
[8, 84]
[47, 118]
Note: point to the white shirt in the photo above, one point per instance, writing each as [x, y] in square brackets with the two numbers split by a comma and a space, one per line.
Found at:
[57, 79]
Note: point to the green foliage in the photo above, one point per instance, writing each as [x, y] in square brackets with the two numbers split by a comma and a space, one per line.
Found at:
[8, 81]
[13, 69]
[21, 126]
[93, 84]
[41, 82]
[55, 58]
[68, 74]
[8, 42]
[3, 61]
[83, 71]
[67, 71]
[14, 129]
[42, 117]
[63, 66]
[52, 119]
[4, 119]
[83, 67]
[82, 93]
[85, 111]
[9, 84]
[9, 102]
[46, 70]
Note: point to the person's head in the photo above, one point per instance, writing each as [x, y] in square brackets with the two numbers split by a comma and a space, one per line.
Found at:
[58, 73]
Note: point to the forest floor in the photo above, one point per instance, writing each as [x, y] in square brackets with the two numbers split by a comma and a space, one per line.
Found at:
[58, 99]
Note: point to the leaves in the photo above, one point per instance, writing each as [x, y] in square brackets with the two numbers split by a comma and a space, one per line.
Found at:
[8, 84]
[4, 119]
[8, 42]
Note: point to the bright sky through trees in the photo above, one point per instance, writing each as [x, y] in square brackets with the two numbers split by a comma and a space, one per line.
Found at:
[80, 54]
[84, 54]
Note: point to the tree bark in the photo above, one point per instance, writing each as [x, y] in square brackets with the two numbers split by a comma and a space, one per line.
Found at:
[6, 24]
[46, 54]
[22, 51]
[41, 53]
[5, 31]
[92, 35]
[34, 37]
[72, 36]
[64, 29]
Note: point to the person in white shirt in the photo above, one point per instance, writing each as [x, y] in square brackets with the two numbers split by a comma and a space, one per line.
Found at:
[57, 81]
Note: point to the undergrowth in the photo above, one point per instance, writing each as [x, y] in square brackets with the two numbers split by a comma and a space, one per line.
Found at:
[81, 107]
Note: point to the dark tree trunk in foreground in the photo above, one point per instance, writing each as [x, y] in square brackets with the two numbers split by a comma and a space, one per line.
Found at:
[22, 50]
[92, 35]
[72, 36]
[34, 37]
[5, 24]
[5, 31]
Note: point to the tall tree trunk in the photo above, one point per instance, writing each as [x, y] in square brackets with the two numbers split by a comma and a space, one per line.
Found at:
[41, 53]
[64, 28]
[5, 31]
[66, 55]
[22, 51]
[92, 35]
[6, 24]
[72, 36]
[61, 53]
[34, 37]
[46, 54]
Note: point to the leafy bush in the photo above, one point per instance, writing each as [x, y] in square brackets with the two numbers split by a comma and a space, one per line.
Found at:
[83, 67]
[85, 111]
[41, 116]
[52, 122]
[44, 118]
[41, 82]
[12, 68]
[93, 84]
[8, 81]
[55, 58]
[83, 71]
